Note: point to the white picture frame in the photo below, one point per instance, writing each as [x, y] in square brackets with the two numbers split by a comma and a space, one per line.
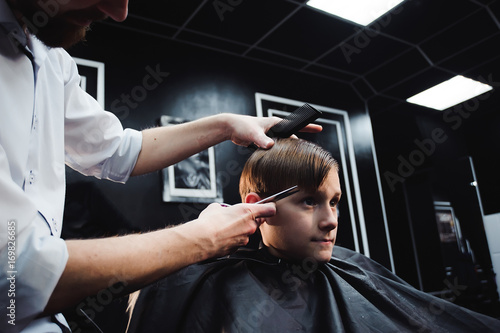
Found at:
[193, 179]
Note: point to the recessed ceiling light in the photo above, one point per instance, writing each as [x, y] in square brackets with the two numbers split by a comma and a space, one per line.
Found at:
[359, 11]
[449, 93]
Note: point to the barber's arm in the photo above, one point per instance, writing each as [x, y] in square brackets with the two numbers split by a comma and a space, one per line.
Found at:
[164, 146]
[136, 260]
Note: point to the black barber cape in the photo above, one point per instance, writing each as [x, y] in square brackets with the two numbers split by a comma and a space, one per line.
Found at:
[252, 291]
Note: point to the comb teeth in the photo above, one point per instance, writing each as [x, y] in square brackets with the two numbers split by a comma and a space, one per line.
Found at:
[294, 122]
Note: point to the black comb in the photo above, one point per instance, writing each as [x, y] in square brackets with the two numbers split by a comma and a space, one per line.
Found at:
[293, 123]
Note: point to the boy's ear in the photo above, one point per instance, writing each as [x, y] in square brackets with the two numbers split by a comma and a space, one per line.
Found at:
[252, 197]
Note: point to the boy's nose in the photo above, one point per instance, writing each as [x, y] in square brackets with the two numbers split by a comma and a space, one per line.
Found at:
[329, 219]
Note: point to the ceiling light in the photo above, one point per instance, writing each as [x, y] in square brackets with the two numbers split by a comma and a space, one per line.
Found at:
[359, 11]
[449, 93]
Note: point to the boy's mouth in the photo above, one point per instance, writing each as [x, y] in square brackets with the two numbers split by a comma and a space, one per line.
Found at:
[323, 240]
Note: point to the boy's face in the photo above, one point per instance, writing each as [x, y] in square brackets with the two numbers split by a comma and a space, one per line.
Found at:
[305, 224]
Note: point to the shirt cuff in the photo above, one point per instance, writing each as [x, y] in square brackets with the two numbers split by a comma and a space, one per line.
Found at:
[119, 167]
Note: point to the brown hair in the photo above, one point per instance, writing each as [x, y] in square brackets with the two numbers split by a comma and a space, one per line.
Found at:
[289, 162]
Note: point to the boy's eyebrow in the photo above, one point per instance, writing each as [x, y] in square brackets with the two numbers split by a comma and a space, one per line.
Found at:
[280, 195]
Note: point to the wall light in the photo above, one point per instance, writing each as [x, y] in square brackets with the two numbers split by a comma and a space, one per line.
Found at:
[449, 93]
[359, 11]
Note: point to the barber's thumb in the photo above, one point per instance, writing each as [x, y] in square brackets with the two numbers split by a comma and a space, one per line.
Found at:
[265, 210]
[265, 142]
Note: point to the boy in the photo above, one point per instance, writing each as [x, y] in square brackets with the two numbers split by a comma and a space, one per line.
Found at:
[297, 280]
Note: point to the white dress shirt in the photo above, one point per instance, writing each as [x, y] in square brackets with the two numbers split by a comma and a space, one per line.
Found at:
[46, 120]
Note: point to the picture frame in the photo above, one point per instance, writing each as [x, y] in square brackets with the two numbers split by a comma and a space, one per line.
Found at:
[92, 78]
[193, 179]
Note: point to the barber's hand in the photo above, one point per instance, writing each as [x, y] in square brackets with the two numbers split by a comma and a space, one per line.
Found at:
[227, 228]
[245, 130]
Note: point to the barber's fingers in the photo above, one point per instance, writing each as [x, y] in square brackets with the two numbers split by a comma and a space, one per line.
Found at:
[245, 130]
[227, 228]
[265, 142]
[242, 210]
[312, 128]
[257, 211]
[260, 138]
[241, 218]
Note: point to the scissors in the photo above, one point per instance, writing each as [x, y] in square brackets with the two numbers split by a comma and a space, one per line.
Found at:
[275, 197]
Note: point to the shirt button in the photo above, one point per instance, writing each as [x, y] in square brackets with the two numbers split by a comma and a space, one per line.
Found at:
[54, 222]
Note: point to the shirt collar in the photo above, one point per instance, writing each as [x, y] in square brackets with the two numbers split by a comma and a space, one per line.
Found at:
[31, 46]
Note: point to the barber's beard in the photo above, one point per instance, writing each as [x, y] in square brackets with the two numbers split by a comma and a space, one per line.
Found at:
[55, 30]
[58, 33]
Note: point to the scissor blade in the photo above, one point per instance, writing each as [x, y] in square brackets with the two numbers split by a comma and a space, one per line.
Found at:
[280, 195]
